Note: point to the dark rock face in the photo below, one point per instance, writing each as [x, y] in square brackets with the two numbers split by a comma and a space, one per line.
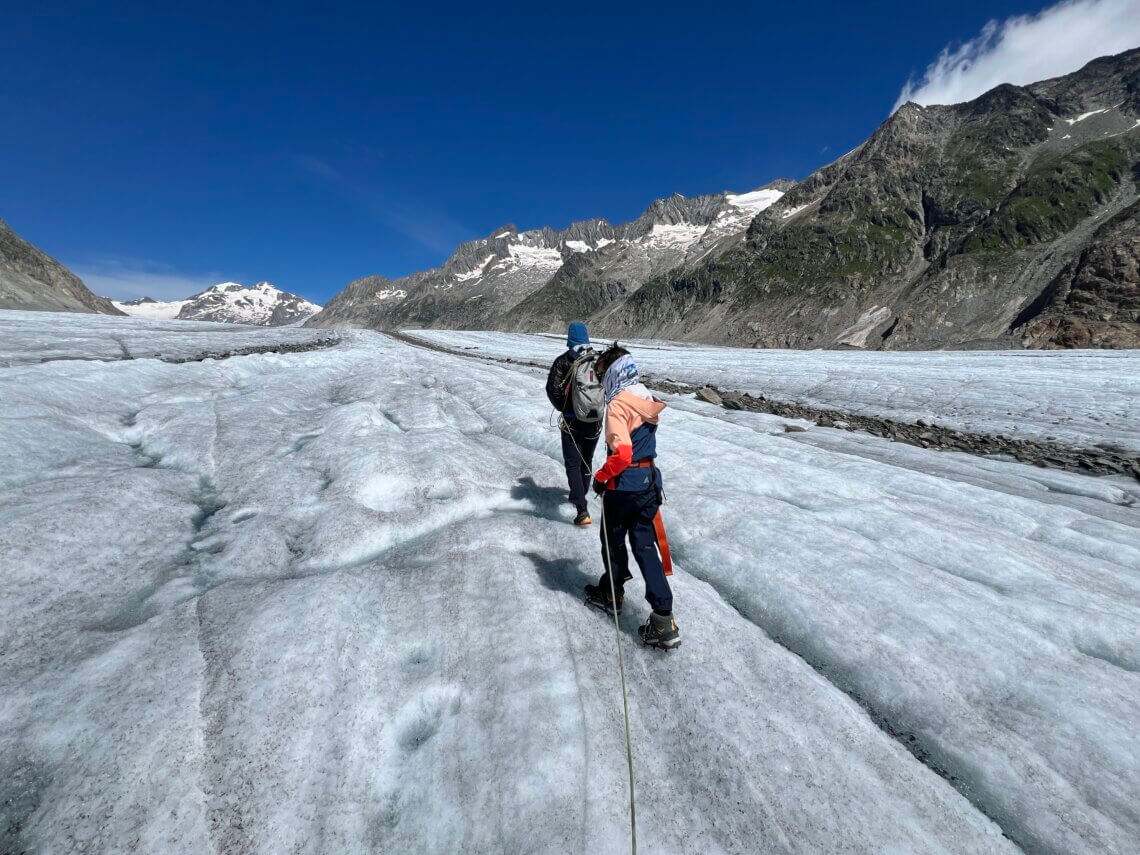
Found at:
[289, 309]
[944, 229]
[31, 279]
[1095, 300]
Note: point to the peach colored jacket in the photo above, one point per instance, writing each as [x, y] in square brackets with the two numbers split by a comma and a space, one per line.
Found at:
[625, 414]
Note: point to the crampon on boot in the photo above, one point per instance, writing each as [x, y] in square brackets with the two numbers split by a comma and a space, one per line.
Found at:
[660, 631]
[583, 519]
[598, 596]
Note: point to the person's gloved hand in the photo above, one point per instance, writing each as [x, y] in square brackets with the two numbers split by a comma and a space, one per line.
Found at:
[600, 487]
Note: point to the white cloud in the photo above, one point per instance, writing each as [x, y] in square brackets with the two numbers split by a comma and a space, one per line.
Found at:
[1028, 48]
[129, 279]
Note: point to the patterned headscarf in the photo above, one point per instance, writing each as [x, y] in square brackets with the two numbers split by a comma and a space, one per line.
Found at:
[621, 375]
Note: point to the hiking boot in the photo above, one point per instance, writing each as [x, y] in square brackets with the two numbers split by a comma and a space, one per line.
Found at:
[660, 631]
[598, 596]
[583, 518]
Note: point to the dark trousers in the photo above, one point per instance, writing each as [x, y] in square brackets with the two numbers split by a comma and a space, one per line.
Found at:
[631, 514]
[578, 442]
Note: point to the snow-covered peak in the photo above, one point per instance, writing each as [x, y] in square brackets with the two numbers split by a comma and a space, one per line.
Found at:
[228, 302]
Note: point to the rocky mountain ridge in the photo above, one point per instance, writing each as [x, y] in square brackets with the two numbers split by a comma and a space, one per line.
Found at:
[509, 270]
[1007, 221]
[31, 279]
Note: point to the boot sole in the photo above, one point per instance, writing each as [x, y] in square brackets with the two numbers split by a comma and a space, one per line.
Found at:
[658, 645]
[603, 609]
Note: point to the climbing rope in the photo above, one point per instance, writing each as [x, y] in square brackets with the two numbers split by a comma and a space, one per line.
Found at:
[566, 429]
[617, 642]
[624, 692]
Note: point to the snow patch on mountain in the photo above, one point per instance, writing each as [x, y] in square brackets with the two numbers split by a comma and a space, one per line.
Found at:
[741, 211]
[154, 310]
[678, 235]
[756, 201]
[476, 272]
[536, 257]
[582, 246]
[1091, 113]
[791, 212]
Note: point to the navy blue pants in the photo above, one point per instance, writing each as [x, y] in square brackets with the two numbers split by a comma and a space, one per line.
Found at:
[579, 461]
[631, 515]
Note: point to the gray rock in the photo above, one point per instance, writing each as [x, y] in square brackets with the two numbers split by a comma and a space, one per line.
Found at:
[794, 429]
[707, 394]
[31, 279]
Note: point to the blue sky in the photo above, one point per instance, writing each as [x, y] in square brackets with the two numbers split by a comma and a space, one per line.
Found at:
[311, 144]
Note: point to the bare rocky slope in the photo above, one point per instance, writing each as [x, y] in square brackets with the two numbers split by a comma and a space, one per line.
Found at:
[31, 279]
[1007, 221]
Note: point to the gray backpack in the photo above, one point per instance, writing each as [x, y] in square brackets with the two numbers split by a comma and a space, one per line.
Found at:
[587, 397]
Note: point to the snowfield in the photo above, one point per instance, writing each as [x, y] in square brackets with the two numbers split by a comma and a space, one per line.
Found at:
[159, 310]
[331, 602]
[1079, 397]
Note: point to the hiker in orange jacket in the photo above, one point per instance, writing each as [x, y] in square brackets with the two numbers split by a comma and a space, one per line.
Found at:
[630, 484]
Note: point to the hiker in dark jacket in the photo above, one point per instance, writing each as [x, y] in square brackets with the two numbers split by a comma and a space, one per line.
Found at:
[579, 439]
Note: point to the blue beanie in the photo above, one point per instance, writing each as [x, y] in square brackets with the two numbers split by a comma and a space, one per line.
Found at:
[576, 334]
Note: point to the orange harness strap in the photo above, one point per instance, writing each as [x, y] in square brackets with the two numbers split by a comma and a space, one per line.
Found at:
[663, 543]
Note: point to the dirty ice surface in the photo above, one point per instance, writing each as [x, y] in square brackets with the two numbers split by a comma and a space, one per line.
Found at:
[1077, 397]
[330, 602]
[27, 338]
